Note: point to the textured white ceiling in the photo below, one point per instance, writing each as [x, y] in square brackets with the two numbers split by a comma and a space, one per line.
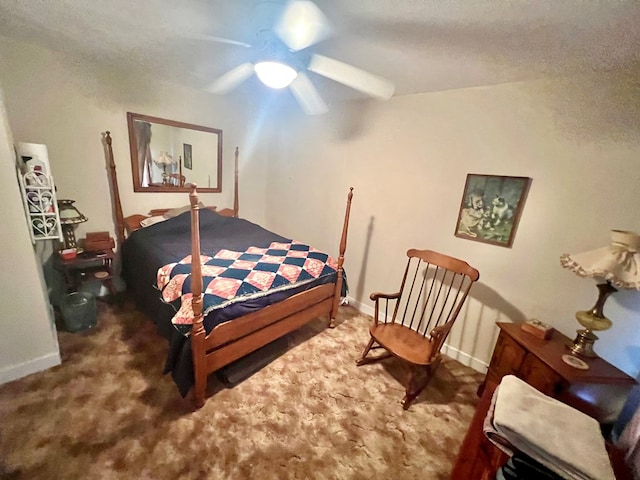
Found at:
[420, 45]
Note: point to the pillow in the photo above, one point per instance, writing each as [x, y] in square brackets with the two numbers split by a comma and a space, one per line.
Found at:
[152, 220]
[174, 212]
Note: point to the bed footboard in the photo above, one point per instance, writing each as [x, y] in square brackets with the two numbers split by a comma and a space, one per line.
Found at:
[232, 340]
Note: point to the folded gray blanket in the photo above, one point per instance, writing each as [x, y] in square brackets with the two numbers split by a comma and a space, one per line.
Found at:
[558, 436]
[490, 430]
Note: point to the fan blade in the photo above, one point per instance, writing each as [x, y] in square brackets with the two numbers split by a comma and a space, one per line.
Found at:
[231, 79]
[307, 95]
[351, 76]
[302, 24]
[211, 38]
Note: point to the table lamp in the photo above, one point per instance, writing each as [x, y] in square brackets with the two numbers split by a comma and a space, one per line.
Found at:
[164, 160]
[70, 216]
[617, 265]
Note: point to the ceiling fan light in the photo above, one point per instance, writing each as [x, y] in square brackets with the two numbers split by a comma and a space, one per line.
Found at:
[275, 74]
[302, 24]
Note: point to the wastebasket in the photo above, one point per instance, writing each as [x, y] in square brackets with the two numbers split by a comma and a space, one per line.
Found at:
[79, 311]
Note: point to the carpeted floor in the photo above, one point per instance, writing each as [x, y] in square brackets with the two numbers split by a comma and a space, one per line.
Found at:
[108, 413]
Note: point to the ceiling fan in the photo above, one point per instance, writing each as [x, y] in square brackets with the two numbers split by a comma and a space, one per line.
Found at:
[281, 56]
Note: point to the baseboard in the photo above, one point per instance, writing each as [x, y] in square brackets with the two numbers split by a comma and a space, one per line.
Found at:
[361, 307]
[464, 358]
[448, 350]
[14, 372]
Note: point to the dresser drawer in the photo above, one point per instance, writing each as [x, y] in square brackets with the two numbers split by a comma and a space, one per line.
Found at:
[537, 374]
[507, 359]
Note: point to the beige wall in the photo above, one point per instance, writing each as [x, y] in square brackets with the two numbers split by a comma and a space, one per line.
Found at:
[28, 342]
[66, 103]
[578, 139]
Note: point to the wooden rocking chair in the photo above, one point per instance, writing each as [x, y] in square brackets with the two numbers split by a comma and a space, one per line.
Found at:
[431, 299]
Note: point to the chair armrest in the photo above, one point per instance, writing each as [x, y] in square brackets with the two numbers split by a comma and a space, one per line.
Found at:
[389, 296]
[438, 336]
[376, 296]
[440, 331]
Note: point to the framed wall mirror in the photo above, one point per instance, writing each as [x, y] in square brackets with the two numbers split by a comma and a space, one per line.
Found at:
[167, 156]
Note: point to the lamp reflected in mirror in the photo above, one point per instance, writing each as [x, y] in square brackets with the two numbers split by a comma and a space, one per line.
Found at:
[164, 160]
[617, 265]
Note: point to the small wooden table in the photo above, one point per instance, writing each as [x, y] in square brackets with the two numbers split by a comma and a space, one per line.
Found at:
[88, 266]
[539, 363]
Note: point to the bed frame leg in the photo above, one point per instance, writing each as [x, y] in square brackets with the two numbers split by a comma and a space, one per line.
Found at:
[198, 393]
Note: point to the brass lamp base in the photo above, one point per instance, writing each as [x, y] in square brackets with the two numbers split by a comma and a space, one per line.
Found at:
[591, 320]
[70, 238]
[583, 343]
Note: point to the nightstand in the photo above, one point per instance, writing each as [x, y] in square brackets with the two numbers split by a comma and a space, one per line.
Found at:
[85, 267]
[539, 363]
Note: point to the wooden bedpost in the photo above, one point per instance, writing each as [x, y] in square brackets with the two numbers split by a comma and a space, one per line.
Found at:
[236, 203]
[228, 212]
[343, 248]
[117, 206]
[197, 330]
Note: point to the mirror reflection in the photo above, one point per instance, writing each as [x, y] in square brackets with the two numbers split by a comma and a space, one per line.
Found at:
[167, 156]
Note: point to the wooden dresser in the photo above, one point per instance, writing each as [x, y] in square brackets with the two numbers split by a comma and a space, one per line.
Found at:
[539, 363]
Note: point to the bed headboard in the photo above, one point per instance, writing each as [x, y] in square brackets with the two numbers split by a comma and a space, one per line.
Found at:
[128, 224]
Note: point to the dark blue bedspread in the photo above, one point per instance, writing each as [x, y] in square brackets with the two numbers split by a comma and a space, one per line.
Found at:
[148, 249]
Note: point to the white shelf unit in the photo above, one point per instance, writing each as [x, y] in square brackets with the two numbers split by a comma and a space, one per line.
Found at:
[40, 205]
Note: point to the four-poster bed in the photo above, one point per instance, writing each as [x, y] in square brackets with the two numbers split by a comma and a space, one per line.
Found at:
[214, 339]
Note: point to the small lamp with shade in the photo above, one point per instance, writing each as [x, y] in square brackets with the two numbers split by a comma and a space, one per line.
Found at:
[618, 266]
[70, 216]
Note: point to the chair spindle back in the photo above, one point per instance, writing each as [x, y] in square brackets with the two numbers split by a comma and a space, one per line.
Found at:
[434, 288]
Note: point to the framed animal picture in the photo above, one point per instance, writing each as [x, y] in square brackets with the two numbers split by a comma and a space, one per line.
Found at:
[491, 207]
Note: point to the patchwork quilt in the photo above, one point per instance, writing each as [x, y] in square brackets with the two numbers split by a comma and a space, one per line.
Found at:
[233, 276]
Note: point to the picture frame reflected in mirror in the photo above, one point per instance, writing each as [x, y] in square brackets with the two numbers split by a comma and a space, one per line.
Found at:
[187, 156]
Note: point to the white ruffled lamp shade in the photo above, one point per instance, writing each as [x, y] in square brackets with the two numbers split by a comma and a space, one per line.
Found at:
[164, 159]
[618, 264]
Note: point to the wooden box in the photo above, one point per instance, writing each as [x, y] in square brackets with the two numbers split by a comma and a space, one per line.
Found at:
[537, 328]
[98, 241]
